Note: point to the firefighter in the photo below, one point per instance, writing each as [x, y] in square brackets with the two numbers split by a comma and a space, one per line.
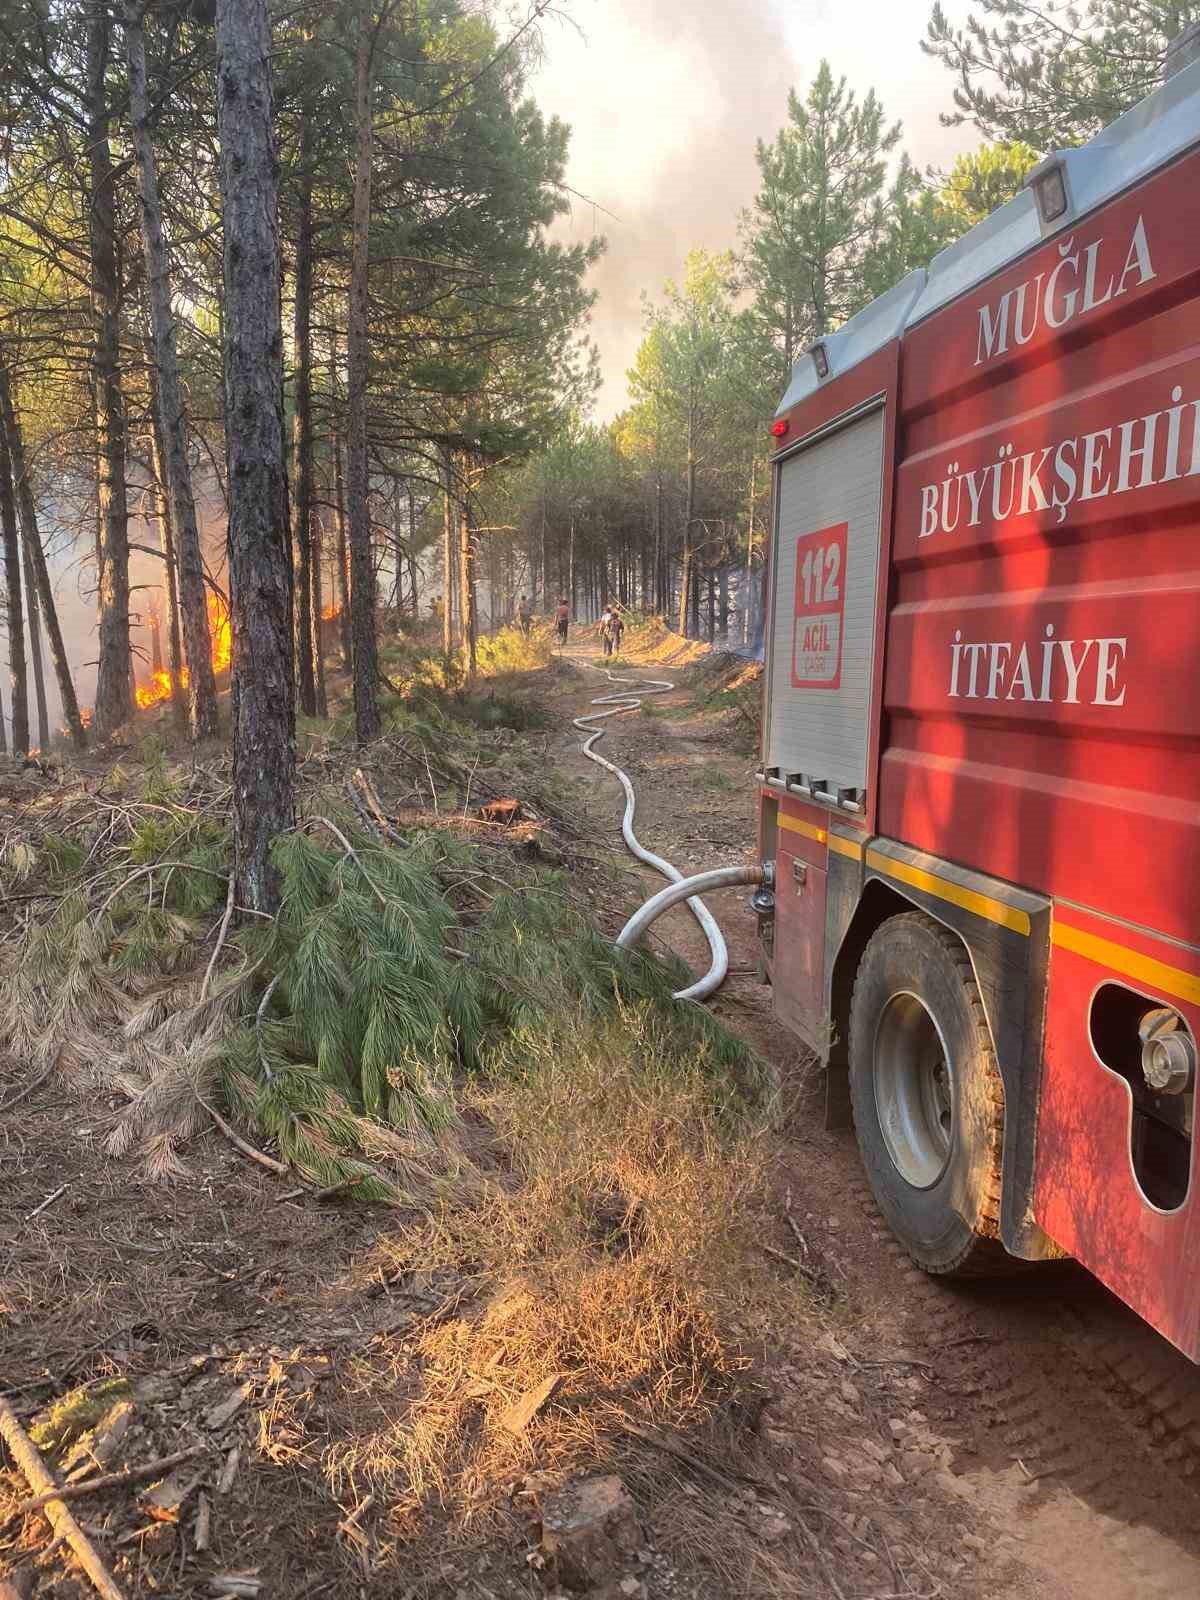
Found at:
[524, 615]
[611, 629]
[562, 616]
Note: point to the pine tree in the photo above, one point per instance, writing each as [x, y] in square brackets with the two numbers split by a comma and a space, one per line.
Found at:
[820, 209]
[264, 720]
[1052, 73]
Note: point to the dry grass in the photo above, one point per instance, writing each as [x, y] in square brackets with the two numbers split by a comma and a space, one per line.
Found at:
[606, 1253]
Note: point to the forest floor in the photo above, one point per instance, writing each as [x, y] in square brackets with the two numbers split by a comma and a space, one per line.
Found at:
[817, 1420]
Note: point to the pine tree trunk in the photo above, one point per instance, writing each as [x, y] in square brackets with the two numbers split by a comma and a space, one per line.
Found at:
[318, 611]
[302, 426]
[202, 688]
[362, 578]
[571, 565]
[412, 553]
[447, 556]
[685, 561]
[343, 560]
[36, 655]
[13, 610]
[32, 611]
[748, 603]
[10, 428]
[260, 568]
[114, 678]
[166, 543]
[466, 574]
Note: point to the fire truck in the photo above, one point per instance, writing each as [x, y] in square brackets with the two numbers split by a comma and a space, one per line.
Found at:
[980, 783]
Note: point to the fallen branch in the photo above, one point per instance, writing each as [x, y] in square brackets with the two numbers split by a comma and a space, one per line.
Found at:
[110, 1480]
[224, 929]
[240, 1144]
[48, 1201]
[25, 1454]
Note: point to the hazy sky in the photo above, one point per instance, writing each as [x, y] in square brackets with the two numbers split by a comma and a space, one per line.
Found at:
[665, 101]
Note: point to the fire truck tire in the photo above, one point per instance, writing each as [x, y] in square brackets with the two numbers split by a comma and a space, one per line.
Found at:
[927, 1097]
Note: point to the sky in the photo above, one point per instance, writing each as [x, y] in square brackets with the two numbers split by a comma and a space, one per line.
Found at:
[665, 101]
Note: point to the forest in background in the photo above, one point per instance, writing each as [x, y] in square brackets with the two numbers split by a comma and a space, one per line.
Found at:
[432, 349]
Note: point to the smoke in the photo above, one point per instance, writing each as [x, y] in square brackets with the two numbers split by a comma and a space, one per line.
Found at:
[666, 101]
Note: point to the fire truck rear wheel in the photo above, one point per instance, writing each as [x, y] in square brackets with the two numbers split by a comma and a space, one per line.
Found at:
[928, 1101]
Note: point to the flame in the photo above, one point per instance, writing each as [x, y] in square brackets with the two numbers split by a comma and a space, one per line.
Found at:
[220, 632]
[331, 613]
[221, 635]
[156, 691]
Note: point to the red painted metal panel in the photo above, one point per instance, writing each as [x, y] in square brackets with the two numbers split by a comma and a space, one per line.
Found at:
[1102, 272]
[1041, 714]
[1043, 722]
[798, 973]
[1086, 1194]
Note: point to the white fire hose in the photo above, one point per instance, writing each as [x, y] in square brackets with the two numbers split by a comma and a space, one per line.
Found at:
[679, 888]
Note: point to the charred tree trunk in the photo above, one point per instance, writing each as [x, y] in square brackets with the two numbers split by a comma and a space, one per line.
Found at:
[32, 611]
[343, 560]
[13, 610]
[114, 678]
[166, 543]
[10, 428]
[302, 427]
[362, 578]
[202, 688]
[260, 567]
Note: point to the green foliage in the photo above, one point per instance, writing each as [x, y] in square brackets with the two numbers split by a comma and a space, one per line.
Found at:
[1052, 73]
[820, 213]
[510, 650]
[382, 989]
[984, 180]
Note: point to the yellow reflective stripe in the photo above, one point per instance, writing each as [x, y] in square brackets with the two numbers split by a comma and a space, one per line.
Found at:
[982, 905]
[1130, 963]
[846, 847]
[809, 829]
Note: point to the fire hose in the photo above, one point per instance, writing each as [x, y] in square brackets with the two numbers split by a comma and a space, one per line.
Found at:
[679, 888]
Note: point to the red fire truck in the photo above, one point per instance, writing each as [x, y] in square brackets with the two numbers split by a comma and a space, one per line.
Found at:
[980, 783]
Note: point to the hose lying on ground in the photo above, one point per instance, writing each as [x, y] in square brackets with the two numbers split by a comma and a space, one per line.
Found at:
[680, 888]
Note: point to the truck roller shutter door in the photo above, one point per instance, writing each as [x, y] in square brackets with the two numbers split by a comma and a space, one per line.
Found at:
[826, 575]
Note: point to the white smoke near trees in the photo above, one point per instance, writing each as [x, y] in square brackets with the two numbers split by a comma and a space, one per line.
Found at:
[666, 101]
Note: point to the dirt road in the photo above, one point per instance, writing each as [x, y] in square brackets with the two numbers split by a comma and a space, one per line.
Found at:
[1048, 1442]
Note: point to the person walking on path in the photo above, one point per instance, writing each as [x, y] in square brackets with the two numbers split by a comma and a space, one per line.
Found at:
[611, 629]
[562, 617]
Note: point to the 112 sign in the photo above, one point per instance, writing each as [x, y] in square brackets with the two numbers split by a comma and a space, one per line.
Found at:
[820, 592]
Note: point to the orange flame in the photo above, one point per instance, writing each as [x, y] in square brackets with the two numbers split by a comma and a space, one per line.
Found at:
[330, 613]
[220, 633]
[156, 691]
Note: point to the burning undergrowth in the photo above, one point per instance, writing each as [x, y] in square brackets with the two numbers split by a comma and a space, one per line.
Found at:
[158, 687]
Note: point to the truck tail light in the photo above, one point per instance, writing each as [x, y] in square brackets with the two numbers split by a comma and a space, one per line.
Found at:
[779, 429]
